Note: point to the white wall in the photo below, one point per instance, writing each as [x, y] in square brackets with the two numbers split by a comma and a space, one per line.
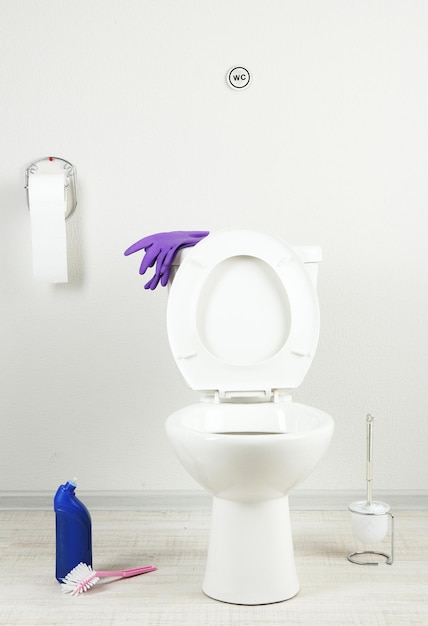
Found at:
[328, 146]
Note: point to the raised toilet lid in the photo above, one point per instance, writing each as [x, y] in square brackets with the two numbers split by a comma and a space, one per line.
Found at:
[242, 315]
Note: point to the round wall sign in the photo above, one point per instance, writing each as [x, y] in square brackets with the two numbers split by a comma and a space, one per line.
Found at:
[238, 77]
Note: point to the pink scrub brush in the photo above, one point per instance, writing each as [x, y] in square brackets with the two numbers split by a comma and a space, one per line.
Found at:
[83, 577]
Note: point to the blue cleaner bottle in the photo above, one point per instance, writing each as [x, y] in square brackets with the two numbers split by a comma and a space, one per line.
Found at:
[73, 530]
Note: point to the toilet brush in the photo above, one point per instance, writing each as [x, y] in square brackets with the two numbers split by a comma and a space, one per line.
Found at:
[370, 517]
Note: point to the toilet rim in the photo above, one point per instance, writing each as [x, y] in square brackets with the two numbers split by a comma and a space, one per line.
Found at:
[219, 420]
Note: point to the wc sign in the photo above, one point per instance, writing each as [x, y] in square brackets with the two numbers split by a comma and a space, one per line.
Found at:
[238, 77]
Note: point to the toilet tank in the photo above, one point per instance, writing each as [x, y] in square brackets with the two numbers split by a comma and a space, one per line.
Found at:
[309, 255]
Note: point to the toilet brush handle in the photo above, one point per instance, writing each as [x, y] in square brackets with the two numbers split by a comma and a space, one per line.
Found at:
[126, 573]
[370, 423]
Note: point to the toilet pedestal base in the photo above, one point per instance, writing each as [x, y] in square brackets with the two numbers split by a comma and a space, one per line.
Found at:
[250, 555]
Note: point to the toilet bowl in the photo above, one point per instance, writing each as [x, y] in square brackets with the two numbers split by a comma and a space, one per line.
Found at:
[243, 324]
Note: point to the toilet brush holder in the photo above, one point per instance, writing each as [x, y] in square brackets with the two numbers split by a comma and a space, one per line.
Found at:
[370, 525]
[370, 517]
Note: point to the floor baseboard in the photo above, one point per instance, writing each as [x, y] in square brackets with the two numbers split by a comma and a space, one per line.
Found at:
[171, 500]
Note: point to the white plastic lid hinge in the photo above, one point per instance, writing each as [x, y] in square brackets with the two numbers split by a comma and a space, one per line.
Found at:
[282, 395]
[262, 394]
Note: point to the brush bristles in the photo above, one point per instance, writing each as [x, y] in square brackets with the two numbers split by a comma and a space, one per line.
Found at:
[80, 579]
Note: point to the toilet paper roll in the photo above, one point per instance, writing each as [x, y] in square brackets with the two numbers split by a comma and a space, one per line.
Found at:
[47, 202]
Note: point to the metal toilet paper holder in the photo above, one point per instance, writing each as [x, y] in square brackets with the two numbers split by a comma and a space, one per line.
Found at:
[56, 165]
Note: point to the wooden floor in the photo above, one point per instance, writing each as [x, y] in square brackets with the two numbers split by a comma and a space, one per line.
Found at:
[333, 591]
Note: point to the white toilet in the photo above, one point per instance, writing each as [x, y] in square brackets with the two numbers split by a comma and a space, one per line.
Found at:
[243, 325]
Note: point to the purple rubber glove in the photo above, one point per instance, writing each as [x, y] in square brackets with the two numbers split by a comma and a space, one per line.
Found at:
[161, 249]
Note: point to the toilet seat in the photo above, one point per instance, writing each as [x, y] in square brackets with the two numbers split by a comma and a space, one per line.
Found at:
[242, 316]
